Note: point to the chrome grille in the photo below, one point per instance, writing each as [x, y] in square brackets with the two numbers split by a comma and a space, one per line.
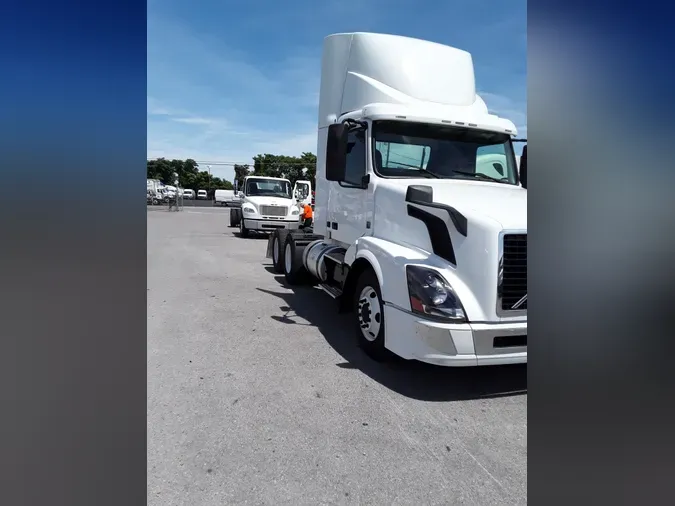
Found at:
[513, 279]
[273, 211]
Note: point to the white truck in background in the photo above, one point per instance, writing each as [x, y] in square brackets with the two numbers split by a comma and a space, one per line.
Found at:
[224, 198]
[417, 233]
[267, 204]
[155, 191]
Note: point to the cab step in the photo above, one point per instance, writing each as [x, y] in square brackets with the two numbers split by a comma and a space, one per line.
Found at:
[333, 291]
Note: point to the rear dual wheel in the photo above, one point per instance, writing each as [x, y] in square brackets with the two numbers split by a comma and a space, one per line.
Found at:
[293, 267]
[278, 248]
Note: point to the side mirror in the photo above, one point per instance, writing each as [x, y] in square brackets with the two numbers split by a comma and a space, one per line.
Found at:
[523, 167]
[336, 152]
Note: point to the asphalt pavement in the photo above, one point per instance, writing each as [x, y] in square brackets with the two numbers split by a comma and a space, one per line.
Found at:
[258, 394]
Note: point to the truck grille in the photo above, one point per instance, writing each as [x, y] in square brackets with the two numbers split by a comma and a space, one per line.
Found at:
[273, 211]
[514, 273]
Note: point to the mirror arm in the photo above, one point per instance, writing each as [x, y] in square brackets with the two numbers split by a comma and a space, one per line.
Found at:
[356, 124]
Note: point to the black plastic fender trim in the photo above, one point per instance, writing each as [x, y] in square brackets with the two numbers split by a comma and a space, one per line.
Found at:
[422, 195]
[441, 242]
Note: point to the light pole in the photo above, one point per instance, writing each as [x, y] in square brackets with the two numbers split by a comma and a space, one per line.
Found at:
[209, 184]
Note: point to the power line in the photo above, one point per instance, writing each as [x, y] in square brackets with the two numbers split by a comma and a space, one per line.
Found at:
[232, 164]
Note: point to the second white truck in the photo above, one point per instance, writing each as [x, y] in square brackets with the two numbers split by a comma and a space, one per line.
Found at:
[267, 204]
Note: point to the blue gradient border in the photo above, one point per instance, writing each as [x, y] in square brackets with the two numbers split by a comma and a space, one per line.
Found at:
[72, 157]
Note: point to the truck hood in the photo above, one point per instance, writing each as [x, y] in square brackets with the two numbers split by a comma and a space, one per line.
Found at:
[504, 204]
[489, 208]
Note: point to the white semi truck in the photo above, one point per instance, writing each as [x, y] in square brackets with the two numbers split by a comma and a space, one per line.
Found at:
[267, 204]
[420, 224]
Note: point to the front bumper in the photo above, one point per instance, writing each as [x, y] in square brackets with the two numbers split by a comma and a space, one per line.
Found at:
[268, 225]
[456, 345]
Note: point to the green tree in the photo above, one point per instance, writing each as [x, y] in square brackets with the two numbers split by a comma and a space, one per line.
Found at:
[189, 175]
[290, 167]
[240, 172]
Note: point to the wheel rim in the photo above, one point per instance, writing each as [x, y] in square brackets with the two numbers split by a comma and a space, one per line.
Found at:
[275, 250]
[287, 258]
[369, 313]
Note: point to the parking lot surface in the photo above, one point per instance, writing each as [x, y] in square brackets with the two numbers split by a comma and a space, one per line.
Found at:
[258, 394]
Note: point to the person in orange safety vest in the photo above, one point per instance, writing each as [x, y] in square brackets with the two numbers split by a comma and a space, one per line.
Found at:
[306, 216]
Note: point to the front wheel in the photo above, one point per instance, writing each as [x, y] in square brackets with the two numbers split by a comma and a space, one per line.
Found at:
[243, 231]
[369, 316]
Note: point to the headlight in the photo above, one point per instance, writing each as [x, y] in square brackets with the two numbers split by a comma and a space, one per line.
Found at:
[431, 295]
[248, 210]
[295, 212]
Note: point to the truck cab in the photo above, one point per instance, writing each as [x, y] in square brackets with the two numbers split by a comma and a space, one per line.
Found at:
[267, 204]
[421, 216]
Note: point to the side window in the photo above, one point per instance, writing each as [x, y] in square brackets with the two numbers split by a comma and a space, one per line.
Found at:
[356, 157]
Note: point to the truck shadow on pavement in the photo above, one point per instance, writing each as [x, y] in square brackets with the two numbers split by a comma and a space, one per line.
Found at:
[412, 379]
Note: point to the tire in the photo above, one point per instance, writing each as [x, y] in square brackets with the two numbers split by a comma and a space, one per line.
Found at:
[369, 316]
[278, 242]
[233, 219]
[293, 268]
[243, 231]
[236, 217]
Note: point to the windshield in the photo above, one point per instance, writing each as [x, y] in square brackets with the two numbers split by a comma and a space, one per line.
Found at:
[268, 188]
[421, 150]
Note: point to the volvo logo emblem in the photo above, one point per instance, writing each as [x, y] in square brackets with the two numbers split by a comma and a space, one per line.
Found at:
[522, 301]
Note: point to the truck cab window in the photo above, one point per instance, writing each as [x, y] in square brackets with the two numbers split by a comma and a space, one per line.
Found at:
[410, 149]
[356, 157]
[492, 160]
[402, 156]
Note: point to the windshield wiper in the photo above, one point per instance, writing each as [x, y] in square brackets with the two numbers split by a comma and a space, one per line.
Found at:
[480, 175]
[429, 172]
[420, 169]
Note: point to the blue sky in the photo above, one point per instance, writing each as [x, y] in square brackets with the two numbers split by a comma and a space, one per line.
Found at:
[230, 79]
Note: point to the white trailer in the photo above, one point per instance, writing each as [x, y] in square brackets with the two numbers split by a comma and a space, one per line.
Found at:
[224, 198]
[267, 204]
[417, 233]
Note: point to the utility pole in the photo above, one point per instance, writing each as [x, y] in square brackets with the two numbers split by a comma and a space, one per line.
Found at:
[209, 184]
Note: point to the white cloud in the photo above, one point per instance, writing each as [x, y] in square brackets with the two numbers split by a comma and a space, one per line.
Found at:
[197, 121]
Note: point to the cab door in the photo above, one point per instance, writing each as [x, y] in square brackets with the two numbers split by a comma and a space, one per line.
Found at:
[302, 192]
[350, 201]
